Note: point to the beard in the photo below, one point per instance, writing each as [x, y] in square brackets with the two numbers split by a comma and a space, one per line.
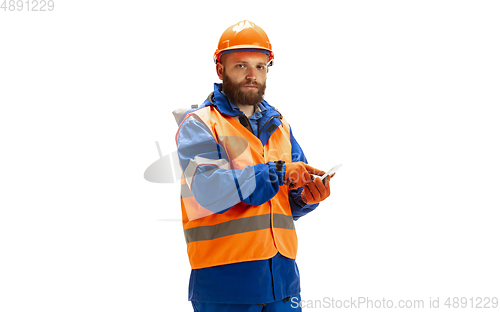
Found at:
[249, 97]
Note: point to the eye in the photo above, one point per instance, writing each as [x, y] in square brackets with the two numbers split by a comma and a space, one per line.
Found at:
[240, 66]
[261, 67]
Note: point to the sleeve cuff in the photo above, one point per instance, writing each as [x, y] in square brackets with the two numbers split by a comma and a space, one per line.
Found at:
[275, 175]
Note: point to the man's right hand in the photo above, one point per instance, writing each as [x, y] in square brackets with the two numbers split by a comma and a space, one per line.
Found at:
[298, 174]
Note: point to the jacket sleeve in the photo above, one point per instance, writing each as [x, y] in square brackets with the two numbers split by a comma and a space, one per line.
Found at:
[204, 163]
[299, 208]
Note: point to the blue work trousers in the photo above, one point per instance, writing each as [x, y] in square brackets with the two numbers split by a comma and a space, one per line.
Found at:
[290, 304]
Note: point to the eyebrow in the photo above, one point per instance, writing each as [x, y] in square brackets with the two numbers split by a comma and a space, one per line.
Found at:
[245, 62]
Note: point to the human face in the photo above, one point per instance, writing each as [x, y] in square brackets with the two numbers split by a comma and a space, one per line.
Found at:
[243, 76]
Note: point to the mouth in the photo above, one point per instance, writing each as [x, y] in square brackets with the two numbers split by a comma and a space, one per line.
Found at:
[250, 87]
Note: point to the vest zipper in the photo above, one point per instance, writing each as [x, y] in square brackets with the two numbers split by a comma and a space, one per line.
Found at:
[245, 122]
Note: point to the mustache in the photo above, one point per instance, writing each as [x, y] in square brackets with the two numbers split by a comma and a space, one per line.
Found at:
[251, 83]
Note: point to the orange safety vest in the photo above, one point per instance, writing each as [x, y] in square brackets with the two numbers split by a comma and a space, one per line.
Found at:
[244, 232]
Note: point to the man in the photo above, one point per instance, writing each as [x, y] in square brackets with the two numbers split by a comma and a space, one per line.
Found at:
[245, 181]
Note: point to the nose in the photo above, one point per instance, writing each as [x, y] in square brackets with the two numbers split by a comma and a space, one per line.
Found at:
[251, 74]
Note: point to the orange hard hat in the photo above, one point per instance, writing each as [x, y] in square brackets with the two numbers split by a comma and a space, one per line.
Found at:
[244, 36]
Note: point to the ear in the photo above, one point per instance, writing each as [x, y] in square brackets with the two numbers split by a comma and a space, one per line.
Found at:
[219, 68]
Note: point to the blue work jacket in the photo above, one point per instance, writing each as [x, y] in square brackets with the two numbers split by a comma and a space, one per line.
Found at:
[249, 282]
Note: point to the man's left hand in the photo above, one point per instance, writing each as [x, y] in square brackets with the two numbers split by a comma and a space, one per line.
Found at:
[315, 191]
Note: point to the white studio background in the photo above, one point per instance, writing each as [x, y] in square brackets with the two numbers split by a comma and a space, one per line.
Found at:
[403, 93]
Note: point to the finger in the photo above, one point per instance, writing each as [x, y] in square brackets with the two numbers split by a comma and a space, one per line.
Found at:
[314, 191]
[306, 177]
[320, 187]
[309, 195]
[326, 181]
[313, 170]
[327, 185]
[305, 194]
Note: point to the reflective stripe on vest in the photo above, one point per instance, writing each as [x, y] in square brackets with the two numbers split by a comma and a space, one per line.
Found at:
[238, 226]
[243, 232]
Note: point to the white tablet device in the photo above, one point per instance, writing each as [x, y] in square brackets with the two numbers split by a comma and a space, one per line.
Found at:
[331, 171]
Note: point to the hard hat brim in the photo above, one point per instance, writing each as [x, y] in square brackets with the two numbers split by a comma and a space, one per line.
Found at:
[243, 48]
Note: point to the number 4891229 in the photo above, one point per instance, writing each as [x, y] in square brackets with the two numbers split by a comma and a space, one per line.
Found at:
[27, 5]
